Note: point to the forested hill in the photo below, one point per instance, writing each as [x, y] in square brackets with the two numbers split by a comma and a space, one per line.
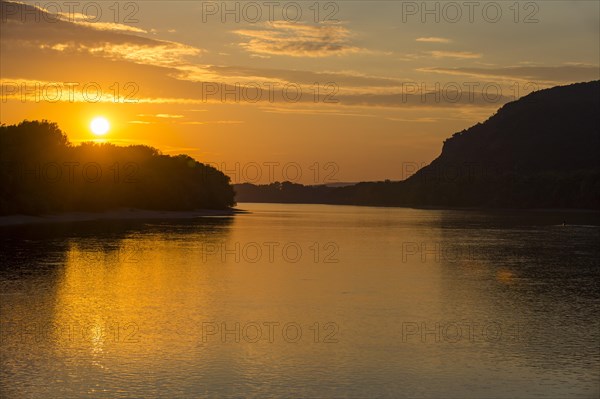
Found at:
[540, 151]
[41, 172]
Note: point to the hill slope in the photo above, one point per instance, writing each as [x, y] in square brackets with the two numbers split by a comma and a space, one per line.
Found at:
[537, 152]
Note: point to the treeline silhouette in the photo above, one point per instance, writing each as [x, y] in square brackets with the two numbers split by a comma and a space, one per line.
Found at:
[41, 172]
[537, 152]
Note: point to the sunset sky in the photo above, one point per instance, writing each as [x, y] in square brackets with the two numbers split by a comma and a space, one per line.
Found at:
[191, 79]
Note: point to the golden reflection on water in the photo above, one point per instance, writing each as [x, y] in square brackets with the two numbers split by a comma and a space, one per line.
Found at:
[136, 305]
[124, 298]
[506, 276]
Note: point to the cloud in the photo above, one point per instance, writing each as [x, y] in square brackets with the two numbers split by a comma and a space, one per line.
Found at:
[111, 26]
[164, 116]
[90, 22]
[27, 90]
[433, 40]
[464, 55]
[316, 111]
[430, 99]
[298, 40]
[426, 119]
[343, 79]
[212, 122]
[546, 74]
[30, 27]
[162, 53]
[37, 13]
[150, 71]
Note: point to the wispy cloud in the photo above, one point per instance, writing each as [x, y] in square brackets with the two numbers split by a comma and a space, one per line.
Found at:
[342, 79]
[52, 91]
[317, 111]
[548, 74]
[165, 73]
[164, 116]
[75, 33]
[87, 20]
[298, 40]
[433, 40]
[425, 119]
[464, 55]
[232, 122]
[160, 53]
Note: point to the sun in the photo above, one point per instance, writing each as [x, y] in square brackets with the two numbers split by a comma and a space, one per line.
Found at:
[99, 126]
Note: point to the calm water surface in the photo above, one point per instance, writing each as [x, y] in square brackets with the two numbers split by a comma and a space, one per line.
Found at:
[304, 301]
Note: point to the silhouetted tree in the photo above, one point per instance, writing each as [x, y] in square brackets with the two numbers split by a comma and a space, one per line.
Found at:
[41, 172]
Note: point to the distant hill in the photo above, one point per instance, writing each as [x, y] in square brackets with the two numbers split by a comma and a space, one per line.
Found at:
[541, 151]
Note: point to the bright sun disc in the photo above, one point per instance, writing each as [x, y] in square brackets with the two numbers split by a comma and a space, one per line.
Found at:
[99, 126]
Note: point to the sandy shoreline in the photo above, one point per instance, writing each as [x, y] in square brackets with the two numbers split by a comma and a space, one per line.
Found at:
[119, 214]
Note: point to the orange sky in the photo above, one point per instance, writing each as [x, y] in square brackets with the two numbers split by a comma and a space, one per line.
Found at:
[312, 93]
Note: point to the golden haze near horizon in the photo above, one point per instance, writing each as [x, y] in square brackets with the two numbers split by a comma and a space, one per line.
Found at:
[295, 83]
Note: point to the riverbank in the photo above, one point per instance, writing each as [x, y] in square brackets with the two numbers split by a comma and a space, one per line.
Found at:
[435, 208]
[118, 214]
